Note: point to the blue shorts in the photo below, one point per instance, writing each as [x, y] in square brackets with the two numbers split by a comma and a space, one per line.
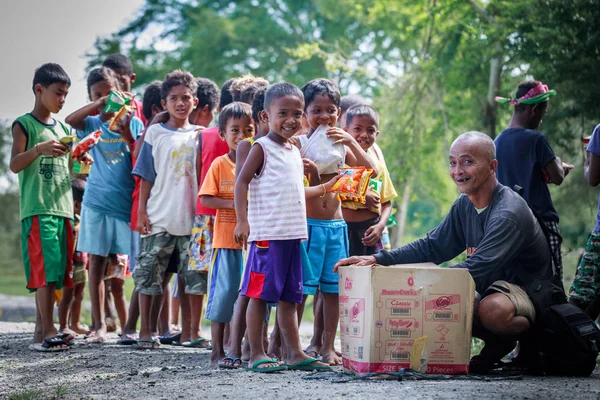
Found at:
[134, 249]
[327, 244]
[101, 234]
[225, 275]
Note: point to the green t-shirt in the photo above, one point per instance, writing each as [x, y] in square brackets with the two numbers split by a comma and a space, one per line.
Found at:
[45, 185]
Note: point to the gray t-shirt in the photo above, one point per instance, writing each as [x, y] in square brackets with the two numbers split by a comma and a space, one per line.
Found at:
[500, 240]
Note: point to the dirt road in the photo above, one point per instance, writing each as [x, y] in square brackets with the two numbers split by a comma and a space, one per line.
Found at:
[119, 372]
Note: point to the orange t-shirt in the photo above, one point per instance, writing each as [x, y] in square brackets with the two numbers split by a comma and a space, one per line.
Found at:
[219, 182]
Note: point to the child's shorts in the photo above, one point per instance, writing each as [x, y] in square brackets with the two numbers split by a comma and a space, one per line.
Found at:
[47, 247]
[101, 234]
[586, 284]
[153, 260]
[223, 285]
[201, 242]
[117, 267]
[134, 249]
[79, 268]
[274, 271]
[356, 233]
[327, 244]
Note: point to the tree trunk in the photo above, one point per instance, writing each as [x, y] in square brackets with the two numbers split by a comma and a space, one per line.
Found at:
[491, 107]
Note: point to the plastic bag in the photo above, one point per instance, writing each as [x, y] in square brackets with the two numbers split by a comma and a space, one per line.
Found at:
[87, 143]
[320, 149]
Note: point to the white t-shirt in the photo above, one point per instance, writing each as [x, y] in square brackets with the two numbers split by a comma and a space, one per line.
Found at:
[168, 159]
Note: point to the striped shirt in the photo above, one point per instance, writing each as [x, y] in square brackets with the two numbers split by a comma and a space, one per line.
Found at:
[277, 206]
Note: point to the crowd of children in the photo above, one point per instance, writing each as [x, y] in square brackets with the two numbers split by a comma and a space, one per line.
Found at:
[244, 212]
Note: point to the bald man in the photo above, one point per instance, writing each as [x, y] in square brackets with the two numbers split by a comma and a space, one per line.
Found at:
[501, 236]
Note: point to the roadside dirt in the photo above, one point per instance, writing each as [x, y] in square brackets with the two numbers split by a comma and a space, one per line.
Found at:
[110, 371]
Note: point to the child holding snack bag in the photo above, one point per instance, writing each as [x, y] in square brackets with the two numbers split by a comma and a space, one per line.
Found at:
[104, 228]
[366, 217]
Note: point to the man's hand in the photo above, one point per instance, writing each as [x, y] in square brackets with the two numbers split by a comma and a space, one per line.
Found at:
[241, 232]
[143, 226]
[372, 199]
[52, 148]
[360, 261]
[372, 235]
[340, 136]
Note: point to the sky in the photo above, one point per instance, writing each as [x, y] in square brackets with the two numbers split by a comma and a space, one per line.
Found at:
[33, 32]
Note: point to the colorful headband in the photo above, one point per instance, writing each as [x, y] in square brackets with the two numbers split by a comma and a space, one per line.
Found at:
[538, 94]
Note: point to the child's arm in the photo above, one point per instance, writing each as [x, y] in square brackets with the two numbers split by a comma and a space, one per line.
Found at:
[355, 155]
[321, 190]
[216, 202]
[373, 234]
[21, 158]
[77, 118]
[241, 154]
[144, 226]
[311, 170]
[251, 166]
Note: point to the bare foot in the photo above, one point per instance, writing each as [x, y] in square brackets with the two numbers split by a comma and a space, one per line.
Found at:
[111, 325]
[215, 357]
[312, 351]
[246, 351]
[68, 331]
[331, 357]
[80, 329]
[97, 337]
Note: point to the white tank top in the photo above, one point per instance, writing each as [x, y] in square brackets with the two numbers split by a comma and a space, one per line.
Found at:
[276, 205]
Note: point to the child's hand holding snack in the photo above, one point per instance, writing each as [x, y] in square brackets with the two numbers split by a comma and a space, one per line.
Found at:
[340, 136]
[121, 126]
[52, 148]
[372, 199]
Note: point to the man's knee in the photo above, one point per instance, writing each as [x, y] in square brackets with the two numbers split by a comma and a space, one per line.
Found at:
[495, 312]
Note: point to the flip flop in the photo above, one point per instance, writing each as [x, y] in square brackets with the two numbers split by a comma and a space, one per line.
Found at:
[169, 337]
[255, 368]
[153, 345]
[127, 340]
[230, 363]
[312, 354]
[55, 343]
[305, 366]
[67, 338]
[197, 344]
[40, 347]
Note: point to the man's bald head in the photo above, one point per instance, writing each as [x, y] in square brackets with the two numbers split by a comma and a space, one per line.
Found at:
[482, 142]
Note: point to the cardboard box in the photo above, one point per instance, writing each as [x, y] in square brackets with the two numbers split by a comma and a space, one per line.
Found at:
[384, 310]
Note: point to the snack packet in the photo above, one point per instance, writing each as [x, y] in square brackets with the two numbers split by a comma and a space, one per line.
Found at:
[87, 143]
[115, 102]
[117, 118]
[359, 195]
[117, 268]
[81, 168]
[68, 141]
[375, 185]
[348, 183]
[328, 156]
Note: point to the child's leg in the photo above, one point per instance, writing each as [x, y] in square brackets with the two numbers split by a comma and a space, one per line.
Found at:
[76, 310]
[275, 347]
[109, 315]
[174, 311]
[133, 315]
[145, 310]
[38, 334]
[238, 327]
[96, 285]
[157, 305]
[45, 304]
[196, 308]
[331, 315]
[163, 317]
[120, 300]
[255, 317]
[186, 313]
[314, 348]
[217, 330]
[63, 310]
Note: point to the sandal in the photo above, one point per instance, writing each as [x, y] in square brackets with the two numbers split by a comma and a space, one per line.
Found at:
[146, 345]
[230, 363]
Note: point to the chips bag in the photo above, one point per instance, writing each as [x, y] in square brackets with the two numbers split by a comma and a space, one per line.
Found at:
[87, 143]
[115, 102]
[320, 149]
[117, 118]
[68, 141]
[349, 181]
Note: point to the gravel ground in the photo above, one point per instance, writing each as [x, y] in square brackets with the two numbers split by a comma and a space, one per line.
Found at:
[113, 372]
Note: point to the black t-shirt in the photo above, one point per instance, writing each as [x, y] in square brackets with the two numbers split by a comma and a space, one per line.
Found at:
[522, 154]
[500, 240]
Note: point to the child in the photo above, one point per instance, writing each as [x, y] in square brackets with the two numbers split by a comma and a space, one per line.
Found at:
[328, 241]
[46, 201]
[166, 167]
[123, 67]
[366, 222]
[238, 326]
[70, 304]
[272, 219]
[235, 124]
[191, 334]
[104, 228]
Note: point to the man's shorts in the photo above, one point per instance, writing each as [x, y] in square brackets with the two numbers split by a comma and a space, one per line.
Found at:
[101, 234]
[201, 243]
[517, 296]
[225, 275]
[356, 233]
[47, 247]
[156, 252]
[586, 284]
[327, 244]
[274, 271]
